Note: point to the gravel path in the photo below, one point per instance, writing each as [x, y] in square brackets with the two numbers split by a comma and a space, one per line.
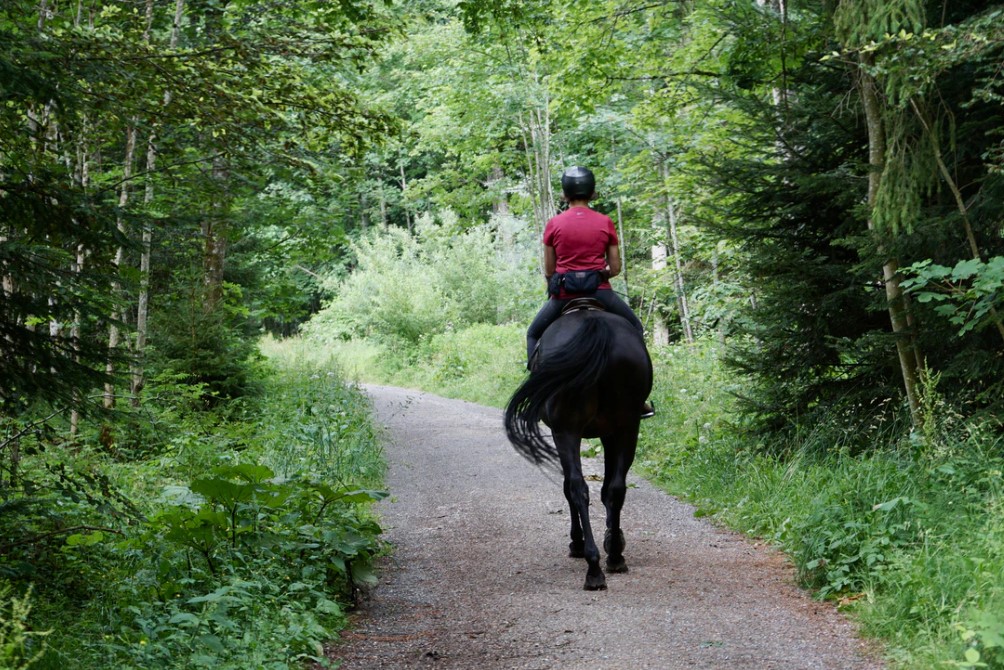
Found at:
[480, 580]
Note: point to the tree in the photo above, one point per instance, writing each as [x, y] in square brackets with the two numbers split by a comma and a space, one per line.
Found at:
[83, 84]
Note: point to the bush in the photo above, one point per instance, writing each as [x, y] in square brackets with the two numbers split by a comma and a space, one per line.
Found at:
[406, 287]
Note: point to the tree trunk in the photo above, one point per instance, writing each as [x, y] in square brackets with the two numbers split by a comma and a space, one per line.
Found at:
[716, 283]
[909, 355]
[78, 267]
[114, 335]
[660, 333]
[215, 232]
[537, 142]
[540, 138]
[82, 175]
[623, 246]
[143, 301]
[500, 207]
[404, 190]
[383, 209]
[681, 293]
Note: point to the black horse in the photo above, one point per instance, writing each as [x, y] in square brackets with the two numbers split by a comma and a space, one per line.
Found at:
[591, 376]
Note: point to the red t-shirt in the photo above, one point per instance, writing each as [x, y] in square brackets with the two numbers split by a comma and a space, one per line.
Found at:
[580, 237]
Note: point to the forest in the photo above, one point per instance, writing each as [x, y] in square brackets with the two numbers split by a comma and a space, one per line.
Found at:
[217, 217]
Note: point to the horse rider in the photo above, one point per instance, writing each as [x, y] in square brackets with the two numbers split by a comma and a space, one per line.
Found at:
[580, 239]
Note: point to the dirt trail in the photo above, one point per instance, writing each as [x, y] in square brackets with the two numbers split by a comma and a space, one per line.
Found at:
[480, 579]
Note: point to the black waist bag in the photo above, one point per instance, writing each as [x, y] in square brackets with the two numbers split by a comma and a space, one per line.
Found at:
[581, 281]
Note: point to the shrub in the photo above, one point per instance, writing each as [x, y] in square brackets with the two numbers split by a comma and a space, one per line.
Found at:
[406, 287]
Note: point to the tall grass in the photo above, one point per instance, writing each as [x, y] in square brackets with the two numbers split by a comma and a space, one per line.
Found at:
[314, 422]
[482, 363]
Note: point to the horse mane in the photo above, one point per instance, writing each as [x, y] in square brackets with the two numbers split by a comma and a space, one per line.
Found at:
[575, 369]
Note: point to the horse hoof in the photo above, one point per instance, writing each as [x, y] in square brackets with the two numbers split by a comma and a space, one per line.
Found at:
[576, 550]
[595, 584]
[618, 566]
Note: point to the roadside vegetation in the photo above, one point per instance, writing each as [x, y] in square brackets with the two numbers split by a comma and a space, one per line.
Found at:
[227, 538]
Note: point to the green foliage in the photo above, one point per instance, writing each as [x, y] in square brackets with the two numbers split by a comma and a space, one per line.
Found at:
[214, 349]
[968, 295]
[984, 639]
[482, 363]
[110, 143]
[236, 538]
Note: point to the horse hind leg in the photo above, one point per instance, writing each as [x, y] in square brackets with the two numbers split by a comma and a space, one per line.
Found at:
[577, 493]
[613, 545]
[619, 451]
[577, 546]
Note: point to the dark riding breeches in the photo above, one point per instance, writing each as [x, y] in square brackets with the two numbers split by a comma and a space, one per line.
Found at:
[552, 310]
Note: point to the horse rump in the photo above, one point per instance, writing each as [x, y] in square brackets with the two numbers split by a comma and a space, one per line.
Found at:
[570, 372]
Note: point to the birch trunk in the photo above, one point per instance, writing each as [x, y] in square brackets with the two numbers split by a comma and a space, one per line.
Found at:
[537, 142]
[114, 334]
[383, 209]
[660, 333]
[138, 376]
[678, 283]
[404, 190]
[143, 301]
[623, 246]
[82, 175]
[77, 268]
[906, 347]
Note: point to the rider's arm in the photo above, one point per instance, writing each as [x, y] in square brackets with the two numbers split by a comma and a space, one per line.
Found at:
[613, 260]
[550, 261]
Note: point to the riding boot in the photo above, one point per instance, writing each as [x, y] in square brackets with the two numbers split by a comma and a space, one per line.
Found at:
[647, 410]
[531, 351]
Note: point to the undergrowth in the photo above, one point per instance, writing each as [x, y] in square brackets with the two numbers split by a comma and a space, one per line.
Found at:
[232, 537]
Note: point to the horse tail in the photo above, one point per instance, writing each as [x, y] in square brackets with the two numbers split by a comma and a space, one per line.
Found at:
[573, 370]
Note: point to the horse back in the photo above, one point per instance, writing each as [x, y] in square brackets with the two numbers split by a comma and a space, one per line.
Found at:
[615, 372]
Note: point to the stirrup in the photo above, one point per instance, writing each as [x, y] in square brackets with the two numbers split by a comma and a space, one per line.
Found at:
[647, 410]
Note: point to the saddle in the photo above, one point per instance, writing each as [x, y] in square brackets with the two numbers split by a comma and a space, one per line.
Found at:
[580, 304]
[573, 305]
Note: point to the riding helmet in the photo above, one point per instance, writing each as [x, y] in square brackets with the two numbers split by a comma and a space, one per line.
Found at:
[578, 183]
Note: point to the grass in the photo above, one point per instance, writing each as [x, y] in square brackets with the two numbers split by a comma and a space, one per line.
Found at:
[482, 364]
[906, 535]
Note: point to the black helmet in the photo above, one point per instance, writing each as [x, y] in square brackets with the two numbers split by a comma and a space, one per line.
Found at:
[578, 183]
